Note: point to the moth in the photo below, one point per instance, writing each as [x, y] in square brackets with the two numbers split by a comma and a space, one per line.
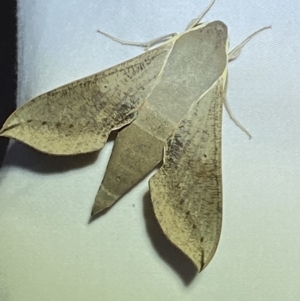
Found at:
[167, 106]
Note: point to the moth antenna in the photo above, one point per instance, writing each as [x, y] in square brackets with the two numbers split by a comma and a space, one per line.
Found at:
[196, 21]
[227, 107]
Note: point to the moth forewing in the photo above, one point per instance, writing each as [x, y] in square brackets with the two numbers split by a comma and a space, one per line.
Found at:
[187, 190]
[78, 117]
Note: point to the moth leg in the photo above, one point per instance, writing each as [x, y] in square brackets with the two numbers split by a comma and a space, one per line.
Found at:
[238, 124]
[196, 21]
[233, 54]
[227, 107]
[146, 45]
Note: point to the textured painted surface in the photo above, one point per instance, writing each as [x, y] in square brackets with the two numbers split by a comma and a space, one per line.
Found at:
[48, 249]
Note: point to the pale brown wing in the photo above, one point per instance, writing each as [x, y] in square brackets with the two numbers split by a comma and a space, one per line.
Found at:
[187, 190]
[78, 117]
